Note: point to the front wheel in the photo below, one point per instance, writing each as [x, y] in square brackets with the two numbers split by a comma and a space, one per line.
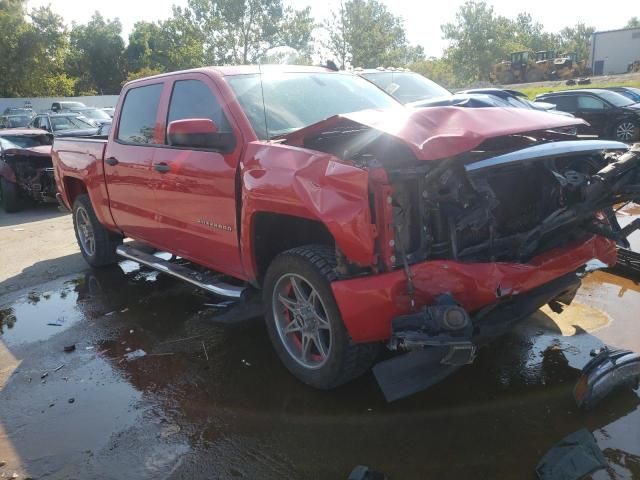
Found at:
[304, 323]
[97, 244]
[626, 131]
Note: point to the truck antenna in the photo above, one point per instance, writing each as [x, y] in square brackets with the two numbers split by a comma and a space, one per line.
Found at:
[264, 107]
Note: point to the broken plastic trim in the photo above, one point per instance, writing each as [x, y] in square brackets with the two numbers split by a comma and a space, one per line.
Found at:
[609, 370]
[547, 150]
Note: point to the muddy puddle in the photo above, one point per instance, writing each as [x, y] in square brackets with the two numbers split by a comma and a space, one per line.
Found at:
[154, 390]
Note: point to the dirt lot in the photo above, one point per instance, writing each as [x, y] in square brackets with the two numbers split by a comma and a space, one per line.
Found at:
[154, 390]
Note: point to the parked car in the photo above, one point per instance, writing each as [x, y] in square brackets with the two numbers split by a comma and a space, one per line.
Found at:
[22, 111]
[403, 85]
[15, 121]
[25, 168]
[630, 92]
[514, 98]
[363, 223]
[59, 107]
[65, 124]
[610, 114]
[109, 111]
[96, 115]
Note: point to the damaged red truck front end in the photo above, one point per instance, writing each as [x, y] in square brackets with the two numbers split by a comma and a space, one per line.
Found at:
[482, 216]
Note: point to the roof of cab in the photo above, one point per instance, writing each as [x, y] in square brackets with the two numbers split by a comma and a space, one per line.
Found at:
[229, 70]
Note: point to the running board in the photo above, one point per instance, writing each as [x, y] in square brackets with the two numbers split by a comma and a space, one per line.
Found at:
[207, 282]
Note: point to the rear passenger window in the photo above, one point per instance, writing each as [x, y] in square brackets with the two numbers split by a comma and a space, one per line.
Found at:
[193, 99]
[590, 103]
[138, 116]
[563, 103]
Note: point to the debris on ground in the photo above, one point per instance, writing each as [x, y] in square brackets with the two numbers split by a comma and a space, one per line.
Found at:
[69, 348]
[58, 367]
[54, 324]
[44, 375]
[206, 355]
[576, 456]
[71, 400]
[609, 370]
[135, 354]
[362, 472]
[2, 463]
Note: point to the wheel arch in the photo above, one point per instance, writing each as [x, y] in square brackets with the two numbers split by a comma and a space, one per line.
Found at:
[274, 233]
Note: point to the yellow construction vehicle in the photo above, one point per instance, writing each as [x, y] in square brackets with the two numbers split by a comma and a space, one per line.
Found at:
[567, 65]
[521, 67]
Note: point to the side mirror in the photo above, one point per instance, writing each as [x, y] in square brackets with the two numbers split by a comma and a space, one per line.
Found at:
[199, 133]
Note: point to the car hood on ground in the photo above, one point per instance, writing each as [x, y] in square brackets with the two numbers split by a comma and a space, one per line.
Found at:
[440, 132]
[77, 133]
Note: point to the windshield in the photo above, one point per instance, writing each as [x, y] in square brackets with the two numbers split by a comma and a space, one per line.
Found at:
[615, 98]
[96, 114]
[15, 121]
[407, 86]
[23, 141]
[296, 100]
[69, 123]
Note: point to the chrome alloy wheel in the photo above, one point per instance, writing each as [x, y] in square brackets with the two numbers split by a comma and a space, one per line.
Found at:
[85, 232]
[625, 131]
[301, 321]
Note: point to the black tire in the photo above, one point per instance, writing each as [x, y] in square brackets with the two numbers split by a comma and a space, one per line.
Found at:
[345, 360]
[624, 126]
[105, 242]
[9, 196]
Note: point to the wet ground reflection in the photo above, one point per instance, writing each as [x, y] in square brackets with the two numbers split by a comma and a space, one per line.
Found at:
[171, 413]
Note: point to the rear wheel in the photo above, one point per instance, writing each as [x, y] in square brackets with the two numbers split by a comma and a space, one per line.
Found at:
[9, 196]
[626, 131]
[97, 244]
[533, 75]
[304, 322]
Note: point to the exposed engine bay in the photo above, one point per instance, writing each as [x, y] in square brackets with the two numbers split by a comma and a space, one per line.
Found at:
[509, 199]
[34, 175]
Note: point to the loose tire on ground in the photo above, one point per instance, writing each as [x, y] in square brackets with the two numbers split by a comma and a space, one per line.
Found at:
[9, 196]
[312, 268]
[97, 244]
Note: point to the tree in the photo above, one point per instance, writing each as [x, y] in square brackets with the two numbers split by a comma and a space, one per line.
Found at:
[296, 32]
[96, 56]
[634, 22]
[32, 51]
[531, 34]
[169, 45]
[366, 34]
[437, 69]
[576, 39]
[478, 38]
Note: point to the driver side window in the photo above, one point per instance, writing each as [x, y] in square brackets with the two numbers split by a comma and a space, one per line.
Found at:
[590, 103]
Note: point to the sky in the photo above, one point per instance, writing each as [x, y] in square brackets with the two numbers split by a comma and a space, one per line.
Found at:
[422, 17]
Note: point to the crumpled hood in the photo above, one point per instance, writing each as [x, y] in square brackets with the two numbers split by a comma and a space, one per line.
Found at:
[439, 132]
[41, 151]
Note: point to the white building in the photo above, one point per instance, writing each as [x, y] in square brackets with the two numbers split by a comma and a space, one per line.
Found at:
[613, 50]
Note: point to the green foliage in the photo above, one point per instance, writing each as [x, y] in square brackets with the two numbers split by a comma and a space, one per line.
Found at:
[142, 73]
[439, 70]
[576, 39]
[366, 34]
[96, 55]
[634, 22]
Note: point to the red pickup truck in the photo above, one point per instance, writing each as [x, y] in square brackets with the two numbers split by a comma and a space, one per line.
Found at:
[364, 223]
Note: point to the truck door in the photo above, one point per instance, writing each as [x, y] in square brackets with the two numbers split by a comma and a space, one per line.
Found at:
[128, 158]
[195, 188]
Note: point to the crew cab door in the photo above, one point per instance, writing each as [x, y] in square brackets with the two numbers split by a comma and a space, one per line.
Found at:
[195, 188]
[128, 158]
